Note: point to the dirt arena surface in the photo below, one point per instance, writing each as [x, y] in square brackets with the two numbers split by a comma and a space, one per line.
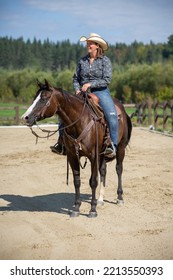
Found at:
[35, 202]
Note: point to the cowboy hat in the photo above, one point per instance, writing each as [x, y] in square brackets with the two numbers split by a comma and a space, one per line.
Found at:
[97, 39]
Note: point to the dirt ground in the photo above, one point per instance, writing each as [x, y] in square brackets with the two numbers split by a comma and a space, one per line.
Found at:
[35, 202]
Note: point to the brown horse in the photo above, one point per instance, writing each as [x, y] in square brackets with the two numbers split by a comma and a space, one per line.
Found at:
[84, 135]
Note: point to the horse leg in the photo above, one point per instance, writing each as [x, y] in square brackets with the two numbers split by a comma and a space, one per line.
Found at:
[76, 180]
[119, 170]
[93, 184]
[102, 170]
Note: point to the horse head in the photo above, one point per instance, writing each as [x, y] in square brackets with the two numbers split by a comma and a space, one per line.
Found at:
[43, 105]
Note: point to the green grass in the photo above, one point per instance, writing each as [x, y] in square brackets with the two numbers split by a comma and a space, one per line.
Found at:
[7, 116]
[129, 111]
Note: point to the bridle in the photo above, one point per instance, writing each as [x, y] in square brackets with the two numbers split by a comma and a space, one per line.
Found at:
[50, 132]
[76, 141]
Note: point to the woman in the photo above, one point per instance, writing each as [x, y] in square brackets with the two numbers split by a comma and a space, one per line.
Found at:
[94, 73]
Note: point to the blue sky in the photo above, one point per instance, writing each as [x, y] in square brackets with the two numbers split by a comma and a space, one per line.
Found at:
[116, 20]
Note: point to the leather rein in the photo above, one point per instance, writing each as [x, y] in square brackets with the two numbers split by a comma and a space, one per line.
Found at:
[76, 141]
[52, 132]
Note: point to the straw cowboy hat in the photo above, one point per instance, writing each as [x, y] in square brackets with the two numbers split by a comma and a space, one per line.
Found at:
[97, 39]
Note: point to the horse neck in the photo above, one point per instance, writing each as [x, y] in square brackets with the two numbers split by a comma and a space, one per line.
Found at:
[70, 108]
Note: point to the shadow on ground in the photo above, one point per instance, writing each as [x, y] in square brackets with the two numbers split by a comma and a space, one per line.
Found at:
[56, 202]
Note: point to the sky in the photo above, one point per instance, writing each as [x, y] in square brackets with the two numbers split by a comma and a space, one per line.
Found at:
[117, 21]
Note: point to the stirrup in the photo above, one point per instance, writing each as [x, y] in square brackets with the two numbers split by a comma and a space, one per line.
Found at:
[110, 152]
[58, 149]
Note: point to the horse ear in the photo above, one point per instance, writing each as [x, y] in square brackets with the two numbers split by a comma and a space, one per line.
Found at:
[47, 84]
[39, 83]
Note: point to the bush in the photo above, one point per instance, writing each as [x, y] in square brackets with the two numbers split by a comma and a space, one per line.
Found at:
[130, 84]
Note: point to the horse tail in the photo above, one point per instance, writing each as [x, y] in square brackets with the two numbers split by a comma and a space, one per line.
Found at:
[127, 124]
[129, 128]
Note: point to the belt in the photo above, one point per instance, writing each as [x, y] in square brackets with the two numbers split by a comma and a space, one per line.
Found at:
[98, 89]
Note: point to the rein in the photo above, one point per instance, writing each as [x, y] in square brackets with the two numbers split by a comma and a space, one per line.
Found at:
[50, 132]
[77, 141]
[80, 137]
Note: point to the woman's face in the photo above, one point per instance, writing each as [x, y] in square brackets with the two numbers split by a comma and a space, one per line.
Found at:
[92, 46]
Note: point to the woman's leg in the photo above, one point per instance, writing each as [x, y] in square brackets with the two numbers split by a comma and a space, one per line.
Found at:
[59, 146]
[107, 104]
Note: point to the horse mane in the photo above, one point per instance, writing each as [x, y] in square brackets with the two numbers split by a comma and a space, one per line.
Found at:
[68, 94]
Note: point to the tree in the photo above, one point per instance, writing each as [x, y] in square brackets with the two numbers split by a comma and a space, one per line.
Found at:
[64, 80]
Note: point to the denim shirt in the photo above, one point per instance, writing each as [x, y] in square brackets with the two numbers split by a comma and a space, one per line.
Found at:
[98, 74]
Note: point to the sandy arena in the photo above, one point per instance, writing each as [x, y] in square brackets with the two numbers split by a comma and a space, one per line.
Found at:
[35, 202]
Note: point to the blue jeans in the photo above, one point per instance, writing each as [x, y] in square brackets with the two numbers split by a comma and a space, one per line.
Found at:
[107, 104]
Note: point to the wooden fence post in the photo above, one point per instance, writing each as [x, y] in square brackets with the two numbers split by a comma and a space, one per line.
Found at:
[149, 111]
[155, 104]
[171, 105]
[16, 115]
[165, 115]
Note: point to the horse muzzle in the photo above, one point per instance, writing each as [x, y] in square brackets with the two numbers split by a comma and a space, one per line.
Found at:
[29, 120]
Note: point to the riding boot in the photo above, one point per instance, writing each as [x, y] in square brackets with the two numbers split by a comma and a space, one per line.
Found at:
[59, 147]
[110, 151]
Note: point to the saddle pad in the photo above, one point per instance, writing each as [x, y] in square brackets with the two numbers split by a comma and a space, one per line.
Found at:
[95, 102]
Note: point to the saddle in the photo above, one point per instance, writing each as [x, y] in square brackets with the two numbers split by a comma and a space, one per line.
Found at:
[93, 101]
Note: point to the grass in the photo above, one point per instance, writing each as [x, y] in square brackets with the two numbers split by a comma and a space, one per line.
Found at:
[8, 113]
[8, 116]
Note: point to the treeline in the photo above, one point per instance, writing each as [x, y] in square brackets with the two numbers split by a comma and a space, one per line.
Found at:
[18, 54]
[139, 70]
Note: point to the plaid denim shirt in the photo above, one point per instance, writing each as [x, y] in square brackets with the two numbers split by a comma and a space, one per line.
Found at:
[98, 74]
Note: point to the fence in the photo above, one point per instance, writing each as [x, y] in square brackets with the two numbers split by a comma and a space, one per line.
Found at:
[12, 115]
[155, 113]
[147, 112]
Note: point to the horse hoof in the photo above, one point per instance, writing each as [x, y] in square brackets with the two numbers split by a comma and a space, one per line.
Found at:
[92, 215]
[74, 214]
[120, 201]
[100, 203]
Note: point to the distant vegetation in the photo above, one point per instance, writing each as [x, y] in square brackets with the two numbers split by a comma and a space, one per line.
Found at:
[139, 70]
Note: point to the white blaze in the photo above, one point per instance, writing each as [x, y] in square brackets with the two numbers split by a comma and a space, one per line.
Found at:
[29, 110]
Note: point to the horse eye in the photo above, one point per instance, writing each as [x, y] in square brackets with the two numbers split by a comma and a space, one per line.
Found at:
[44, 97]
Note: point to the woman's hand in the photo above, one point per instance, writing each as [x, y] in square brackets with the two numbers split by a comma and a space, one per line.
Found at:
[77, 92]
[85, 87]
